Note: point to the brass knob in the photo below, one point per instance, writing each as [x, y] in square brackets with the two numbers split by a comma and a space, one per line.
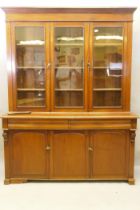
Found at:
[90, 149]
[48, 65]
[48, 148]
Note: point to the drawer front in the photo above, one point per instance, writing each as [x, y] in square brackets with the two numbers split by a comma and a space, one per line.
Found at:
[99, 124]
[39, 124]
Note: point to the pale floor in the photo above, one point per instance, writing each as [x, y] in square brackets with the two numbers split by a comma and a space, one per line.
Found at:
[70, 196]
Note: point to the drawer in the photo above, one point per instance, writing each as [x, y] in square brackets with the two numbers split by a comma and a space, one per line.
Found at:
[99, 124]
[38, 124]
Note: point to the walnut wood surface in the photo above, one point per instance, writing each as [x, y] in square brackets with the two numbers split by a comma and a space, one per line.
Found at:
[85, 143]
[110, 153]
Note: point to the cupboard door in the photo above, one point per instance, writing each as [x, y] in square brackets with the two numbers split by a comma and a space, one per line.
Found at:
[68, 155]
[107, 54]
[31, 80]
[28, 154]
[69, 66]
[110, 154]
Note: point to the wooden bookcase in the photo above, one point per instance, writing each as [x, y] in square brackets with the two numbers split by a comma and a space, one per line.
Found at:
[69, 73]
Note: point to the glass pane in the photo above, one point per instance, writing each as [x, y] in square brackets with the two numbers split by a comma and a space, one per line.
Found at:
[107, 98]
[69, 66]
[69, 99]
[31, 98]
[30, 66]
[107, 66]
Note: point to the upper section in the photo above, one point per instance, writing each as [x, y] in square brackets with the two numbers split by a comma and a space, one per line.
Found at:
[69, 14]
[69, 60]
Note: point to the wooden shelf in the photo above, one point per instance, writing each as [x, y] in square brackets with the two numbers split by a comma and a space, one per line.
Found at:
[30, 45]
[107, 89]
[31, 89]
[71, 67]
[67, 107]
[108, 44]
[69, 44]
[107, 107]
[68, 89]
[31, 67]
[105, 77]
[106, 67]
[25, 101]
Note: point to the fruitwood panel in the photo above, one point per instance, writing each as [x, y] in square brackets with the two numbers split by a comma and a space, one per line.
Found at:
[69, 155]
[27, 154]
[110, 154]
[69, 17]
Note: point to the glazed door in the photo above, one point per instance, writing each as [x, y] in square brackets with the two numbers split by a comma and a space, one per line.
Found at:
[69, 66]
[28, 154]
[109, 154]
[69, 155]
[30, 66]
[107, 68]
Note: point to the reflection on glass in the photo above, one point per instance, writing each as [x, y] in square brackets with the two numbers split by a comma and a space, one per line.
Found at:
[69, 66]
[108, 65]
[30, 65]
[107, 98]
[69, 99]
[31, 98]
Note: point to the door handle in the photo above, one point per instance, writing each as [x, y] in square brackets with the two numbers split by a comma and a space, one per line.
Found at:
[90, 149]
[48, 65]
[48, 148]
[88, 65]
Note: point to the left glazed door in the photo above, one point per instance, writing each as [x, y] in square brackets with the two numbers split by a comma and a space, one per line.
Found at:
[30, 64]
[28, 154]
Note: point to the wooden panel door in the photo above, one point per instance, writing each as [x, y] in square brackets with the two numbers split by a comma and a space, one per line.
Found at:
[69, 155]
[109, 154]
[28, 154]
[69, 66]
[109, 84]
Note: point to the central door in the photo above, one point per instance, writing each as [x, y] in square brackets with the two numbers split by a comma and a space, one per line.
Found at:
[69, 68]
[69, 155]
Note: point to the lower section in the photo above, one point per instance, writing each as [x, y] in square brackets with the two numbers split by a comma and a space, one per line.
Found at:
[103, 153]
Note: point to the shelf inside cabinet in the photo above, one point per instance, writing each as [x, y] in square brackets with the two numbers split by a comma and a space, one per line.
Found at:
[112, 44]
[22, 102]
[106, 67]
[69, 44]
[30, 45]
[68, 107]
[107, 107]
[67, 67]
[68, 89]
[31, 89]
[31, 67]
[107, 89]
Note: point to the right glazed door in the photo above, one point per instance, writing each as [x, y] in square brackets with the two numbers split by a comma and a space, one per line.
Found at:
[107, 69]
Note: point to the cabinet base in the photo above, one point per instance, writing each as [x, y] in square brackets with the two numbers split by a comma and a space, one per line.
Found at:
[131, 181]
[15, 181]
